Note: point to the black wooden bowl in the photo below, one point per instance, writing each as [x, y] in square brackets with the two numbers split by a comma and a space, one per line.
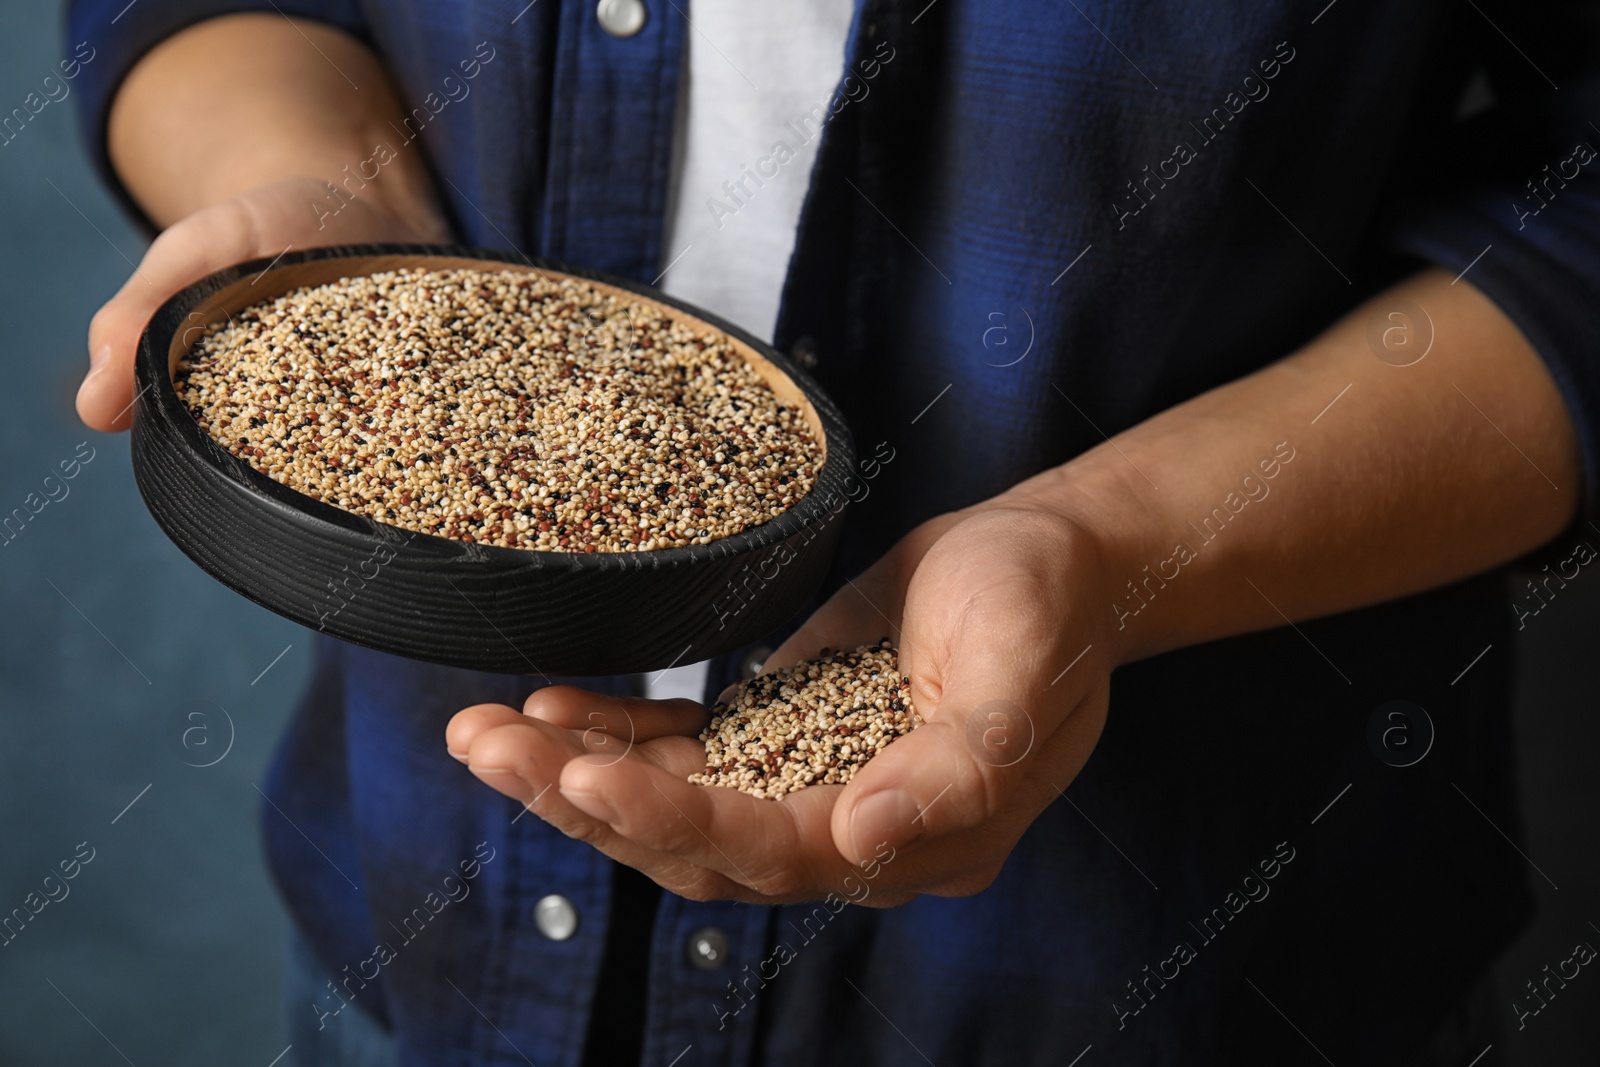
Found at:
[431, 598]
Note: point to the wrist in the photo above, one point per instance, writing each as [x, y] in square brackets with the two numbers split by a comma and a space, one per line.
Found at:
[392, 179]
[1118, 530]
[325, 194]
[413, 203]
[305, 211]
[230, 105]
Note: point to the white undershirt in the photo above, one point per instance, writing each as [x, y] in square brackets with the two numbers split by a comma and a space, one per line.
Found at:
[759, 74]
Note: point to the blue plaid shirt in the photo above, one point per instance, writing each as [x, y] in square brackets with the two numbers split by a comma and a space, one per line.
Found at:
[1044, 223]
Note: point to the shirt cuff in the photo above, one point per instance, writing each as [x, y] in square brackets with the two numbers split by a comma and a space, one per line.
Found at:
[1543, 272]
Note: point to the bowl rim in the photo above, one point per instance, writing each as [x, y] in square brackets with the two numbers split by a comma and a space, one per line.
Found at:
[158, 391]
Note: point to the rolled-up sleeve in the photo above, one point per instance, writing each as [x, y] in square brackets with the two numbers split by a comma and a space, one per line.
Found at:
[105, 38]
[1510, 201]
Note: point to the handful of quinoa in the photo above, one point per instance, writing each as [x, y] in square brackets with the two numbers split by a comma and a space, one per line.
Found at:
[502, 407]
[816, 723]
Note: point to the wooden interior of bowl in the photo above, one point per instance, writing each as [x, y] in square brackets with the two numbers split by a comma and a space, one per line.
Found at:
[276, 281]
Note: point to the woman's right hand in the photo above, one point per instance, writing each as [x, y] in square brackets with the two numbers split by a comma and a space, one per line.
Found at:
[263, 222]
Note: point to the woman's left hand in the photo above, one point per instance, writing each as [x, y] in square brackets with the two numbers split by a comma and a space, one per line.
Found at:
[1001, 616]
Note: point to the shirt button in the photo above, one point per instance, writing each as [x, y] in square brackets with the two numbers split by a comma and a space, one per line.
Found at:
[750, 665]
[555, 917]
[621, 18]
[708, 948]
[804, 352]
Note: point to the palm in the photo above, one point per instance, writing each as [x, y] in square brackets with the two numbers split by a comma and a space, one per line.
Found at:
[981, 604]
[261, 223]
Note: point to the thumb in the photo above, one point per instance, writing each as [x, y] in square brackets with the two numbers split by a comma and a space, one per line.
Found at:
[981, 710]
[105, 397]
[184, 253]
[866, 608]
[986, 636]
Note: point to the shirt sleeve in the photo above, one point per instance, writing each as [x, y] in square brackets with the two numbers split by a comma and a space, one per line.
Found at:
[105, 38]
[1509, 200]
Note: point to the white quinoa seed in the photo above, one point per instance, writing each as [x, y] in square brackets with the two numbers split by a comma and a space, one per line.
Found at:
[816, 723]
[502, 407]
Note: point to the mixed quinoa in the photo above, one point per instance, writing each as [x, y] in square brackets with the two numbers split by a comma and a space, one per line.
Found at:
[816, 723]
[502, 407]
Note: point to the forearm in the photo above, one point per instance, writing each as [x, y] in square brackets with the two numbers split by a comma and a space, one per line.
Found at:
[240, 101]
[1416, 476]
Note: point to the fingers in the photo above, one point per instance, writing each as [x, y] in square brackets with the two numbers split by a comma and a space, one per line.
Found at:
[507, 750]
[779, 849]
[260, 223]
[632, 719]
[921, 787]
[956, 771]
[184, 253]
[947, 816]
[698, 841]
[985, 632]
[523, 758]
[468, 723]
[638, 806]
[984, 638]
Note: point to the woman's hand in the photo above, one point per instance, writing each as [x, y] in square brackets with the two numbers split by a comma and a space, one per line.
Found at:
[228, 135]
[1000, 616]
[259, 223]
[1010, 616]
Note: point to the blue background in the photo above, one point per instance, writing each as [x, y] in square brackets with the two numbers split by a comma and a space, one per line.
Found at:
[171, 939]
